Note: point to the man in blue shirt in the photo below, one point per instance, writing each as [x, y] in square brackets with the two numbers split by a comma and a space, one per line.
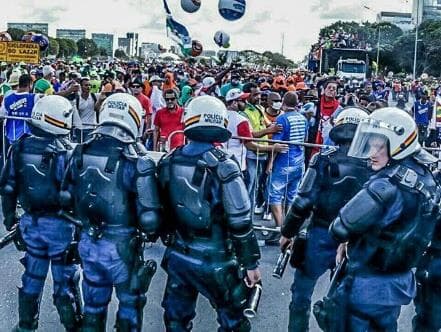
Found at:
[19, 104]
[422, 113]
[287, 168]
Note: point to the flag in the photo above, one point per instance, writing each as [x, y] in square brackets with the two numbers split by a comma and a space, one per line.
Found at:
[176, 31]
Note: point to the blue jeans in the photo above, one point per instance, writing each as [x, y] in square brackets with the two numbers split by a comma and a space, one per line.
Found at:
[103, 268]
[218, 282]
[47, 239]
[254, 172]
[283, 184]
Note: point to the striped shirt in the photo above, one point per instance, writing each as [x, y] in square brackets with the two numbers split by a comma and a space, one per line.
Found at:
[295, 128]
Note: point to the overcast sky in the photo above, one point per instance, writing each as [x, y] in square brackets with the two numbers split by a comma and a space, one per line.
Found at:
[260, 29]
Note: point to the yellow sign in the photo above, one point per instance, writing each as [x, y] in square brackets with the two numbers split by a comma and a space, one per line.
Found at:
[19, 51]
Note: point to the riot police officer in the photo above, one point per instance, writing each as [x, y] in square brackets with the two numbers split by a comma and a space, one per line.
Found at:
[112, 185]
[33, 174]
[388, 224]
[208, 218]
[331, 180]
[428, 275]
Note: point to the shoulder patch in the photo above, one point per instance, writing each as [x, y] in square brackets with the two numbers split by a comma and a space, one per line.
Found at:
[145, 165]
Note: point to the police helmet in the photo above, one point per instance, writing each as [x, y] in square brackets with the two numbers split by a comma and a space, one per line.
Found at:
[206, 120]
[390, 126]
[123, 111]
[53, 115]
[345, 124]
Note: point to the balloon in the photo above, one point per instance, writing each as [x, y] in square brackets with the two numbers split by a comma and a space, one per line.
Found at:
[33, 37]
[196, 48]
[5, 36]
[190, 6]
[232, 10]
[222, 39]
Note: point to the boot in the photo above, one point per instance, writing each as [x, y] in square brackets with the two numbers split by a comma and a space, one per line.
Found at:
[67, 313]
[28, 311]
[94, 322]
[123, 325]
[298, 320]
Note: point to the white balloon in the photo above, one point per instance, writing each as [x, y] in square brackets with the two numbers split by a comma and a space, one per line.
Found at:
[232, 10]
[190, 6]
[221, 38]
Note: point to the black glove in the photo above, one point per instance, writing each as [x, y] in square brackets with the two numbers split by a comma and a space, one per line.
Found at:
[10, 222]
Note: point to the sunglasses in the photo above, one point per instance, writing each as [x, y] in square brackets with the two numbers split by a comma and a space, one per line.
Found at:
[170, 99]
[136, 86]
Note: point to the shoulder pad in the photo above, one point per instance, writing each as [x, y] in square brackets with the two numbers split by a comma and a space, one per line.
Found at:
[313, 160]
[140, 148]
[214, 156]
[327, 152]
[145, 165]
[227, 170]
[382, 190]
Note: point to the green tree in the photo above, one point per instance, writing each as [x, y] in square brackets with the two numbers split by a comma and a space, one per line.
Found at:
[16, 34]
[102, 51]
[120, 54]
[54, 47]
[87, 48]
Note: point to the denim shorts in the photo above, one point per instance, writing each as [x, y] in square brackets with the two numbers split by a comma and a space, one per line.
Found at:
[283, 184]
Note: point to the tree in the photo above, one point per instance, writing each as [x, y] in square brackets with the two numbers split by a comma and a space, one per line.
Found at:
[87, 48]
[102, 51]
[120, 54]
[54, 47]
[16, 34]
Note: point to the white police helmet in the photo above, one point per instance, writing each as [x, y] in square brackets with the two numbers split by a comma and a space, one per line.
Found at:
[52, 114]
[391, 126]
[123, 111]
[345, 124]
[206, 120]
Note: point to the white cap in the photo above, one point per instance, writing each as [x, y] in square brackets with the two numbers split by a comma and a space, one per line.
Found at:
[155, 78]
[47, 70]
[233, 94]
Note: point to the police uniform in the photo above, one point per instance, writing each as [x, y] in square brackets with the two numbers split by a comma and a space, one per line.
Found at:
[208, 219]
[388, 224]
[33, 174]
[331, 180]
[112, 185]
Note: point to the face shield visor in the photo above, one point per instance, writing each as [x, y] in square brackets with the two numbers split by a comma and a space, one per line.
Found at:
[370, 139]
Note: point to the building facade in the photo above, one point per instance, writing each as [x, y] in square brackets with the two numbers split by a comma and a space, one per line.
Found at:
[124, 44]
[402, 20]
[42, 27]
[104, 40]
[73, 34]
[423, 10]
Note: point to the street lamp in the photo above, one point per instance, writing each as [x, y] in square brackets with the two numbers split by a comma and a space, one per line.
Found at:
[378, 51]
[416, 38]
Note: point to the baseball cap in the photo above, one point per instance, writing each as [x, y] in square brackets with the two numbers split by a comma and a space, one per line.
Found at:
[47, 70]
[155, 78]
[234, 94]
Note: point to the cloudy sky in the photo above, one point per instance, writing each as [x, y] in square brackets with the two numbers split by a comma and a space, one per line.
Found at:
[260, 29]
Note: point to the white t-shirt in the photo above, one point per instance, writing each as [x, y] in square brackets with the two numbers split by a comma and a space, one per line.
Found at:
[235, 146]
[86, 110]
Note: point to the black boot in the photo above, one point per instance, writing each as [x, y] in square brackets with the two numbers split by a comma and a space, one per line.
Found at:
[68, 315]
[298, 320]
[94, 322]
[123, 325]
[28, 311]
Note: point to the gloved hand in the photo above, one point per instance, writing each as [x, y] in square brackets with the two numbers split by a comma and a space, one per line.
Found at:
[10, 222]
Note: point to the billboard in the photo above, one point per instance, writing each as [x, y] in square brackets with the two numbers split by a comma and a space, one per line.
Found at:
[19, 51]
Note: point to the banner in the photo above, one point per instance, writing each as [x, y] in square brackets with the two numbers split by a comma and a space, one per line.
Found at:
[15, 51]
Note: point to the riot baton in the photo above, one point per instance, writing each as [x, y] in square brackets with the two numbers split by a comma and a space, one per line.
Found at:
[307, 145]
[9, 237]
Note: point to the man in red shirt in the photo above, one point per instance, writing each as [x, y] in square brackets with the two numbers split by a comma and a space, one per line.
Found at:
[136, 88]
[168, 120]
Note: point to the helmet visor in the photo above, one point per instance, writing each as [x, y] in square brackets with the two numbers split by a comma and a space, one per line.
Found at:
[368, 141]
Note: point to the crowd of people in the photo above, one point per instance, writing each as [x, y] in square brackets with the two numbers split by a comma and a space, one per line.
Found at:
[239, 142]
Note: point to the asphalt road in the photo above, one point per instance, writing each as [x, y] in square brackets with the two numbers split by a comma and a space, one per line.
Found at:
[272, 314]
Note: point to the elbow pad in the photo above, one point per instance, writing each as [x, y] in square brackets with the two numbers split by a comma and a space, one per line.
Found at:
[246, 248]
[297, 214]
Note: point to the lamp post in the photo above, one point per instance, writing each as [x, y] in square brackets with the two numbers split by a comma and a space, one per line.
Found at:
[378, 52]
[416, 38]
